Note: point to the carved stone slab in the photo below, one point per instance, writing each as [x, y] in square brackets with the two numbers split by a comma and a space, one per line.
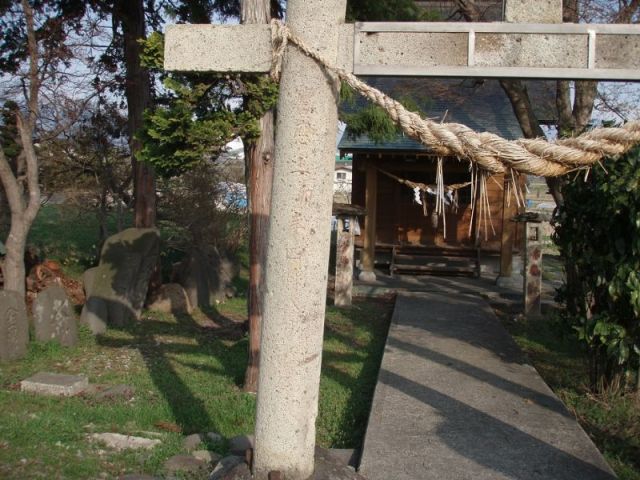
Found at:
[53, 317]
[14, 326]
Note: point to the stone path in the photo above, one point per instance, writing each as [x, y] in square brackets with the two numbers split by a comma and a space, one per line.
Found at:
[455, 400]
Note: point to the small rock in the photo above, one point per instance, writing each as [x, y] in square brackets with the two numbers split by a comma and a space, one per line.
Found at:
[207, 456]
[240, 444]
[227, 466]
[327, 466]
[345, 456]
[170, 298]
[184, 463]
[136, 476]
[215, 437]
[125, 392]
[191, 442]
[151, 434]
[120, 442]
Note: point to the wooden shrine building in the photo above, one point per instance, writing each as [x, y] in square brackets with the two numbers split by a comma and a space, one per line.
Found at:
[398, 219]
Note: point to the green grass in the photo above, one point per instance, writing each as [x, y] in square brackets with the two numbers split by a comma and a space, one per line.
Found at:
[68, 236]
[184, 375]
[612, 420]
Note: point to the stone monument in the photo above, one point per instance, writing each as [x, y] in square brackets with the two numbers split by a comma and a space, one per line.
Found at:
[53, 317]
[14, 326]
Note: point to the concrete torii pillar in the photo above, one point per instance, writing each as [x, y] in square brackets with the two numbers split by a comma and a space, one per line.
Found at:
[298, 250]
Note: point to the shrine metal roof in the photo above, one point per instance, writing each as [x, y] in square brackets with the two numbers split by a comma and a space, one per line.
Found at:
[480, 104]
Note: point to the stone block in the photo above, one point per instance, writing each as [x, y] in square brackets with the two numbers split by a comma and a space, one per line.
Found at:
[14, 326]
[53, 317]
[56, 384]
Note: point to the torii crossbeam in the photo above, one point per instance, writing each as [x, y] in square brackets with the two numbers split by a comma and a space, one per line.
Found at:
[430, 49]
[298, 245]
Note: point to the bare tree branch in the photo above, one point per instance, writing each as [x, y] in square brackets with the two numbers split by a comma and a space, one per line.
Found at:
[33, 185]
[34, 78]
[10, 184]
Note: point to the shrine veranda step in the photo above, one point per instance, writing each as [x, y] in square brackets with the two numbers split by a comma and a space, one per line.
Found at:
[455, 399]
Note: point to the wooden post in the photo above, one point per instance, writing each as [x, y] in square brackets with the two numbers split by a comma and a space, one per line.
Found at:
[533, 271]
[259, 160]
[344, 261]
[367, 262]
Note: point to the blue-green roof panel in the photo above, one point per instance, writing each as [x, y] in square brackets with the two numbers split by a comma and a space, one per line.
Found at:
[480, 104]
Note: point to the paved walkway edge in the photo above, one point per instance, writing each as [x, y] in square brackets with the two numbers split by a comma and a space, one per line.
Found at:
[455, 399]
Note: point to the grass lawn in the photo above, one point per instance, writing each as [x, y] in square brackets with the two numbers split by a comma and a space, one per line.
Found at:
[187, 378]
[68, 236]
[612, 421]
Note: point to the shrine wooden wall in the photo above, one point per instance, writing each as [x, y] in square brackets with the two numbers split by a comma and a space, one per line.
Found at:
[402, 221]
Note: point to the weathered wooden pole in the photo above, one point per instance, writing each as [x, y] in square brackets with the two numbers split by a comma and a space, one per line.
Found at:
[368, 258]
[298, 248]
[533, 270]
[259, 163]
[346, 215]
[509, 210]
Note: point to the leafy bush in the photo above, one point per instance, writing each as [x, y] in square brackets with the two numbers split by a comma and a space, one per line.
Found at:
[201, 210]
[598, 233]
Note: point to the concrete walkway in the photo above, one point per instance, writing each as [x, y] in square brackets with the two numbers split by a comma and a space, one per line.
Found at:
[455, 400]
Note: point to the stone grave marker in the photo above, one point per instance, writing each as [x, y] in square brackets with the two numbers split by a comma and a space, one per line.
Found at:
[53, 317]
[14, 326]
[118, 286]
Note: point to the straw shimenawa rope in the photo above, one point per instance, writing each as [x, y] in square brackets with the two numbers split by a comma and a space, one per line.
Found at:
[423, 186]
[489, 151]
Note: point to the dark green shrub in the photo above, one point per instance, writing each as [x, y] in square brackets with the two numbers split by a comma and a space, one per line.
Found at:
[598, 233]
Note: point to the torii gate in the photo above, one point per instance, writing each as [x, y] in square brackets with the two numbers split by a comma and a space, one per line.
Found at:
[298, 240]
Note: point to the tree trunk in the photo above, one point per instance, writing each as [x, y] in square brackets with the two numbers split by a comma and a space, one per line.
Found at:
[130, 14]
[13, 268]
[23, 210]
[259, 163]
[22, 213]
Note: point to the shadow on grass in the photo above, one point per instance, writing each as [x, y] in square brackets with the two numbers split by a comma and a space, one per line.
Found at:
[188, 338]
[352, 357]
